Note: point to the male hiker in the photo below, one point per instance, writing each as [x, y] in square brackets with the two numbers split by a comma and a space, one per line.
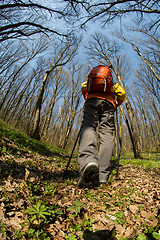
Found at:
[99, 108]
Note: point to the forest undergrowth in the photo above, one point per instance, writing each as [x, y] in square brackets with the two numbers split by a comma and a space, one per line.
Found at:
[36, 203]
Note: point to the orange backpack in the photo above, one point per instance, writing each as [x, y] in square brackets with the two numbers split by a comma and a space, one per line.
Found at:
[100, 79]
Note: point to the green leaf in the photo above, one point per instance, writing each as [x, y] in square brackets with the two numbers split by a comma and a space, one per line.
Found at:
[156, 235]
[76, 206]
[72, 237]
[4, 149]
[42, 216]
[30, 210]
[78, 227]
[30, 232]
[120, 218]
[59, 211]
[151, 229]
[42, 207]
[37, 207]
[46, 213]
[33, 218]
[141, 236]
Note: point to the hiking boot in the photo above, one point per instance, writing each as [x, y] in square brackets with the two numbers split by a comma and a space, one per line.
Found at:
[89, 176]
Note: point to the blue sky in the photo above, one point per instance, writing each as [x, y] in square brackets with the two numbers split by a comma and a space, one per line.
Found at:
[92, 27]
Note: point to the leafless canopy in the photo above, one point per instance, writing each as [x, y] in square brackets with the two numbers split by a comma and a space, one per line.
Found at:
[107, 10]
[23, 18]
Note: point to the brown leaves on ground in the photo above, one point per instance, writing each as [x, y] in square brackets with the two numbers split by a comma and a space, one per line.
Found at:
[118, 209]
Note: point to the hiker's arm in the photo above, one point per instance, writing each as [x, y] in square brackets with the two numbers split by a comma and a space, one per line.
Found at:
[119, 92]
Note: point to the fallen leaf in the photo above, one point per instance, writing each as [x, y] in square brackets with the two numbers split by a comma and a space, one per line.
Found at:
[27, 173]
[139, 200]
[2, 211]
[147, 215]
[133, 208]
[120, 229]
[111, 217]
[130, 233]
[61, 233]
[13, 223]
[21, 203]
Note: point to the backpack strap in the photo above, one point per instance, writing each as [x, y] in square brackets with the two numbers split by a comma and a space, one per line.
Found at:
[105, 84]
[89, 83]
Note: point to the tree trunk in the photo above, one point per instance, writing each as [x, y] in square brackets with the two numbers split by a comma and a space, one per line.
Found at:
[131, 124]
[130, 132]
[59, 62]
[36, 124]
[51, 106]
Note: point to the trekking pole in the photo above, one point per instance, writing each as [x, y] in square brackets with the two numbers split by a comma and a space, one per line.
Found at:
[117, 175]
[65, 172]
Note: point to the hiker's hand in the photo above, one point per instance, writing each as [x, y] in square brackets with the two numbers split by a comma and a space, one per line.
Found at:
[118, 91]
[84, 89]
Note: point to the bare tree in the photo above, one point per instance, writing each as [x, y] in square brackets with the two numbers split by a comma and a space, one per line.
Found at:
[63, 56]
[17, 100]
[74, 95]
[15, 75]
[152, 50]
[107, 11]
[58, 75]
[24, 18]
[148, 120]
[148, 73]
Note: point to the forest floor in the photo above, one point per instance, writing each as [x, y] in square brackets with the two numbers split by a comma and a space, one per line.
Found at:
[36, 203]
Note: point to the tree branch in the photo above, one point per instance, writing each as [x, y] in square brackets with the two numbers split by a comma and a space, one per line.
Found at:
[27, 5]
[16, 25]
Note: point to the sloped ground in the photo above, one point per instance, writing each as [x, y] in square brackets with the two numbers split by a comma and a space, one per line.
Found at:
[36, 203]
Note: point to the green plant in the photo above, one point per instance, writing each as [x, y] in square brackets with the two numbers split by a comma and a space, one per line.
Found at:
[78, 227]
[120, 218]
[76, 207]
[107, 216]
[68, 182]
[141, 236]
[36, 234]
[33, 188]
[58, 211]
[49, 190]
[156, 235]
[88, 223]
[40, 215]
[18, 234]
[114, 172]
[4, 149]
[140, 208]
[97, 199]
[72, 237]
[110, 181]
[153, 232]
[3, 230]
[40, 212]
[132, 199]
[89, 195]
[102, 195]
[150, 234]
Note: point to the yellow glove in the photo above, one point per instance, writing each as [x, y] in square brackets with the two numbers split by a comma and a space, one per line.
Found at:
[119, 91]
[84, 89]
[84, 86]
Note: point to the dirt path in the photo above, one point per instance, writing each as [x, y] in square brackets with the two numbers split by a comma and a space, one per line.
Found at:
[118, 210]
